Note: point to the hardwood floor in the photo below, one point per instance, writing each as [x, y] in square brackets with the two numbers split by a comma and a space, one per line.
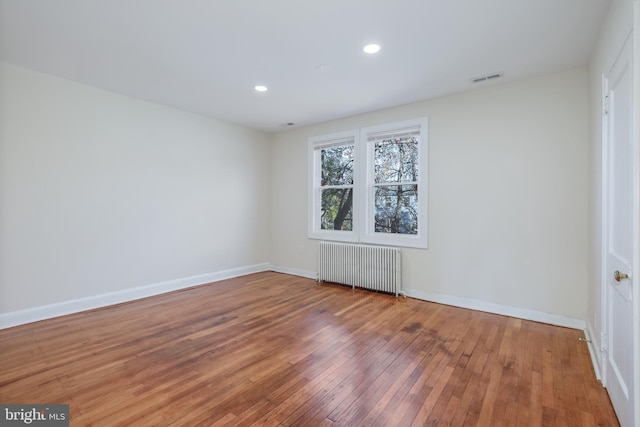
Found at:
[279, 350]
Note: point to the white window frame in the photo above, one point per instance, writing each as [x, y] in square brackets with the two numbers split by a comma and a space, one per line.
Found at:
[315, 146]
[363, 187]
[369, 235]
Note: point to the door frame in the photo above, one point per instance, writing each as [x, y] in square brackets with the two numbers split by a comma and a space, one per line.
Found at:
[635, 124]
[634, 39]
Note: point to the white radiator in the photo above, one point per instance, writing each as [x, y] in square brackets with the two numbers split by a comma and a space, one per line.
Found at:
[371, 267]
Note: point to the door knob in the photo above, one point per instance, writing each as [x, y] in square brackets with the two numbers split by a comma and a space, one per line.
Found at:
[619, 276]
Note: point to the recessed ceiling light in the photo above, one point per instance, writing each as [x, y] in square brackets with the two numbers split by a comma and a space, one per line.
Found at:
[371, 48]
[260, 88]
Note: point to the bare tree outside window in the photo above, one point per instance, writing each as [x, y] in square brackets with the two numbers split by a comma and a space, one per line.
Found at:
[337, 188]
[396, 185]
[369, 185]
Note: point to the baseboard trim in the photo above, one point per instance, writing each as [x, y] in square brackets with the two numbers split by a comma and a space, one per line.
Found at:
[35, 314]
[295, 272]
[593, 351]
[504, 310]
[21, 317]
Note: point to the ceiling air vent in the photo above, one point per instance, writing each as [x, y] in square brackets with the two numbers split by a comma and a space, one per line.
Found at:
[486, 78]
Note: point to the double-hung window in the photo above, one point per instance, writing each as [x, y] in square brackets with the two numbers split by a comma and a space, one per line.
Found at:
[370, 185]
[333, 161]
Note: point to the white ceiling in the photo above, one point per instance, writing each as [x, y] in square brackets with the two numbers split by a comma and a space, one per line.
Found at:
[205, 56]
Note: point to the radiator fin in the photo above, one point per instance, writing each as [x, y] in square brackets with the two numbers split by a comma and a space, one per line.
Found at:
[370, 267]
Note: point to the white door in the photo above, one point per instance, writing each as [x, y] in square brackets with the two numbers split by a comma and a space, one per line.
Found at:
[619, 369]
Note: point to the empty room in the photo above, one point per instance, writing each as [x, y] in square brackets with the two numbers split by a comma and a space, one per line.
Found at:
[284, 213]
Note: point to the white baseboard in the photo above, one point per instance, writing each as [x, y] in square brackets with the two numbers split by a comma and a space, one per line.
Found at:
[295, 272]
[596, 361]
[35, 314]
[520, 313]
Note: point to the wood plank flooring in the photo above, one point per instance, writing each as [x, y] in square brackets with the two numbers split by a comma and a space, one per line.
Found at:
[278, 350]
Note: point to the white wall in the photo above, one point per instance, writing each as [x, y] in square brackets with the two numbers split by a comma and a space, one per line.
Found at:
[101, 193]
[508, 196]
[614, 31]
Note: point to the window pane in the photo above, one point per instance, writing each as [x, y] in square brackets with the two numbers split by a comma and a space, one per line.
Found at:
[396, 209]
[337, 209]
[396, 160]
[337, 165]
